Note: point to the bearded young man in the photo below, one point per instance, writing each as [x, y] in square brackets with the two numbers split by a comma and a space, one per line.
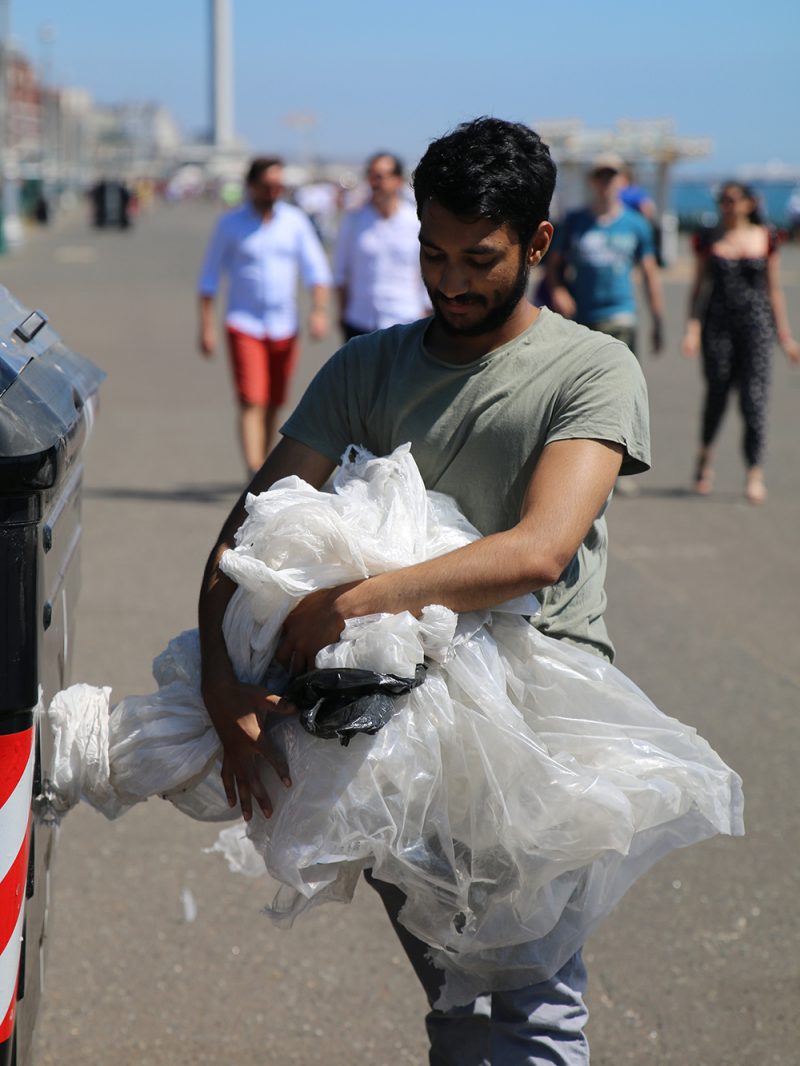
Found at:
[526, 419]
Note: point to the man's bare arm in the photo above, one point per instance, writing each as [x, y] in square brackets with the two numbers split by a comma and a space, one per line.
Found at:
[207, 333]
[655, 299]
[571, 483]
[237, 710]
[318, 314]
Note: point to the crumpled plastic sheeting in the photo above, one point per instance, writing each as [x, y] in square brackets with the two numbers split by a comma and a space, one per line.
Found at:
[515, 795]
[296, 540]
[159, 744]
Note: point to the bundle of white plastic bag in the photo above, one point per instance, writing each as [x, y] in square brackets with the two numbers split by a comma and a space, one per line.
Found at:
[513, 797]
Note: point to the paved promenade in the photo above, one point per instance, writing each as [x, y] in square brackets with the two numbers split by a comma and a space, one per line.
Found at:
[158, 955]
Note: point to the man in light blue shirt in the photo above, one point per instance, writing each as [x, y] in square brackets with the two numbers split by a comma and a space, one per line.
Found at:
[376, 258]
[265, 247]
[591, 261]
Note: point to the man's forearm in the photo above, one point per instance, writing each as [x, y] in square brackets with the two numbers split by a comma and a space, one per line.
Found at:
[206, 307]
[216, 592]
[480, 575]
[319, 297]
[653, 289]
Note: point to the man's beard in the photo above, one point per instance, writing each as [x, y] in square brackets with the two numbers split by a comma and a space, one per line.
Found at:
[493, 319]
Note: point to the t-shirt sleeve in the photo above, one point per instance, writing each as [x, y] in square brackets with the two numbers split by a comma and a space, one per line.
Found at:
[328, 418]
[607, 400]
[313, 261]
[646, 238]
[214, 261]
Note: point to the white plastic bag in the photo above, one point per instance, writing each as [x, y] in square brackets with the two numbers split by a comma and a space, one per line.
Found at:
[514, 796]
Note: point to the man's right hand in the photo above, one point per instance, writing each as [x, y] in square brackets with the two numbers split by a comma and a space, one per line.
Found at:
[690, 346]
[241, 715]
[207, 342]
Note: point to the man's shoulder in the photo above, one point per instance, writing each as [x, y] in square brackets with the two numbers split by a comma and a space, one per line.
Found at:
[577, 345]
[385, 358]
[407, 210]
[578, 216]
[387, 343]
[575, 223]
[631, 219]
[361, 213]
[291, 213]
[234, 218]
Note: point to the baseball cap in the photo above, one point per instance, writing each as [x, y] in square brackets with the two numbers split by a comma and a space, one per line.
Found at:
[607, 161]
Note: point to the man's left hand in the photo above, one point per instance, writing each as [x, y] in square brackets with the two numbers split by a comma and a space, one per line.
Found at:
[318, 323]
[657, 336]
[316, 622]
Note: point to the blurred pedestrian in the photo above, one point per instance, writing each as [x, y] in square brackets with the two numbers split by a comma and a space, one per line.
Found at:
[111, 205]
[264, 246]
[636, 196]
[376, 259]
[736, 309]
[793, 212]
[639, 199]
[595, 250]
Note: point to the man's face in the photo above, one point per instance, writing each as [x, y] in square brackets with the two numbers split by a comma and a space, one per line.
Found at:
[383, 181]
[607, 183]
[266, 189]
[476, 273]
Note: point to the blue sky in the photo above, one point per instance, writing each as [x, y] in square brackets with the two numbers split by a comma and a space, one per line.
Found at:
[395, 76]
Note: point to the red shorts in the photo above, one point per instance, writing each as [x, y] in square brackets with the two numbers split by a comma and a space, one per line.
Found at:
[261, 367]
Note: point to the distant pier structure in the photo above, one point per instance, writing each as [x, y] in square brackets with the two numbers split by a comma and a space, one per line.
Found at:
[650, 147]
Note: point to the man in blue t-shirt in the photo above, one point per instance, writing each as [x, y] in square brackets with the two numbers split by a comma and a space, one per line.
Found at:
[591, 261]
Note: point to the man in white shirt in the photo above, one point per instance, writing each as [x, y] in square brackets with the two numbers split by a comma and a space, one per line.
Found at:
[376, 259]
[264, 246]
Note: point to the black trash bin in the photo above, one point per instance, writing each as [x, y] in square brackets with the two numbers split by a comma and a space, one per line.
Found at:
[48, 399]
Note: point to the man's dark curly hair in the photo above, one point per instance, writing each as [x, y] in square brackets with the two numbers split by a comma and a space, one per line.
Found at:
[489, 168]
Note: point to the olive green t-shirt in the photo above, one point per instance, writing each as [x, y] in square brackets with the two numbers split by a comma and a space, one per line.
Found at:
[477, 430]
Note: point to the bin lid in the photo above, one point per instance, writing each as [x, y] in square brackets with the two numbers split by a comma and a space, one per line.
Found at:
[47, 399]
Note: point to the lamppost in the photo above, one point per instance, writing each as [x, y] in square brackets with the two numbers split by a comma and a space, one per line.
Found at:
[48, 130]
[4, 47]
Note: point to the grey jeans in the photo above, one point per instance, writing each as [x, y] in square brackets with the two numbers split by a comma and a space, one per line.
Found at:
[539, 1025]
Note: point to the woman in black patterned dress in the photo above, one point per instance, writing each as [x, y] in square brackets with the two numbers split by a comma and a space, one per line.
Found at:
[736, 310]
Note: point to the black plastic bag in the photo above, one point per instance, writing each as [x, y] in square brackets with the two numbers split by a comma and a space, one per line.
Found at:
[344, 701]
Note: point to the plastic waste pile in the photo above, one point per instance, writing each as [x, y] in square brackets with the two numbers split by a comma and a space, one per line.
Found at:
[513, 795]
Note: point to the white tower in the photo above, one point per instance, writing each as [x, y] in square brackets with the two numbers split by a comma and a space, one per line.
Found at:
[221, 74]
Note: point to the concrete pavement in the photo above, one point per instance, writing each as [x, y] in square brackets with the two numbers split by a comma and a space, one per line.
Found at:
[700, 962]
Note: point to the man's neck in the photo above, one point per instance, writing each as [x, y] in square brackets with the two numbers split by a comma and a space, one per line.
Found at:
[386, 208]
[264, 213]
[460, 349]
[606, 210]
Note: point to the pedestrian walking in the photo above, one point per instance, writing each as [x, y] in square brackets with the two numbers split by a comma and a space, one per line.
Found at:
[595, 250]
[376, 258]
[264, 247]
[736, 310]
[637, 198]
[526, 419]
